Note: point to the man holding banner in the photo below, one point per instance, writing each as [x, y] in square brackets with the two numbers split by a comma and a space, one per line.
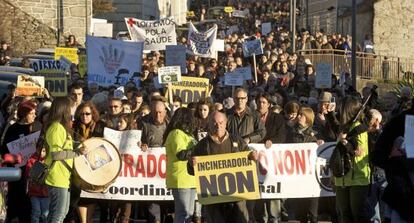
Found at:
[220, 141]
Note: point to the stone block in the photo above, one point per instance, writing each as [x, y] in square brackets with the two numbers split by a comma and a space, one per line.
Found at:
[38, 10]
[49, 14]
[73, 22]
[77, 11]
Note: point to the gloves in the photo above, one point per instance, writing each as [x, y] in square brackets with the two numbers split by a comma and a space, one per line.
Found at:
[12, 158]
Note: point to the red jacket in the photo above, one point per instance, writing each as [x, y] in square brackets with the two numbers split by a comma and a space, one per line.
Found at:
[35, 190]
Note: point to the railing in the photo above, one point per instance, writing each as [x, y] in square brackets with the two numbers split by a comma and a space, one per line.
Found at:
[368, 66]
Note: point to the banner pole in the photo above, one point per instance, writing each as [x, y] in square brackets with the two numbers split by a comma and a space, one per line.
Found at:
[254, 67]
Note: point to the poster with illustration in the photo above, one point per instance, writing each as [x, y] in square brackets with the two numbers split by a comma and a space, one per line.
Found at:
[112, 62]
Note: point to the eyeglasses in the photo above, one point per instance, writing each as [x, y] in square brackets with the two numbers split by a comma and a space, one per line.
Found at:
[241, 98]
[85, 113]
[114, 106]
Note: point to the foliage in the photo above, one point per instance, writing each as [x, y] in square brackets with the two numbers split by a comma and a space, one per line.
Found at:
[102, 6]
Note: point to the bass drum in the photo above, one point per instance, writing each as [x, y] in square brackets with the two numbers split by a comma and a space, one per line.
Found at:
[99, 167]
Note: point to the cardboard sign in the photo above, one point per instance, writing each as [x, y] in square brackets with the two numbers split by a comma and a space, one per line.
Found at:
[228, 9]
[103, 30]
[25, 146]
[253, 47]
[156, 34]
[218, 45]
[175, 56]
[70, 53]
[190, 14]
[30, 85]
[201, 43]
[266, 28]
[56, 82]
[169, 74]
[226, 178]
[190, 89]
[112, 62]
[323, 78]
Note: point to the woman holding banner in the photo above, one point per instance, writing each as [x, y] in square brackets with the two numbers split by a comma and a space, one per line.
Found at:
[17, 199]
[177, 137]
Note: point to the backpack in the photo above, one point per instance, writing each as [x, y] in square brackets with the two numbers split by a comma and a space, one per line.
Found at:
[342, 158]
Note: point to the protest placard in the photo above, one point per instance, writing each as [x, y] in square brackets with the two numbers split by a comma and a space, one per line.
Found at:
[226, 178]
[42, 64]
[284, 168]
[323, 75]
[218, 45]
[30, 85]
[169, 74]
[201, 43]
[228, 9]
[253, 47]
[240, 13]
[156, 34]
[56, 82]
[82, 65]
[233, 79]
[175, 56]
[266, 28]
[408, 136]
[190, 89]
[25, 146]
[70, 53]
[112, 62]
[142, 174]
[103, 30]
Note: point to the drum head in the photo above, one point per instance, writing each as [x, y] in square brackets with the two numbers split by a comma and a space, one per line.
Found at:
[100, 165]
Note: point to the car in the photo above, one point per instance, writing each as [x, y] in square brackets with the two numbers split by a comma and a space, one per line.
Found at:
[16, 69]
[9, 76]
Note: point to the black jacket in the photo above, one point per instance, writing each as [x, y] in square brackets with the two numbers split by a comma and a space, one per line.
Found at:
[399, 193]
[247, 126]
[296, 136]
[275, 128]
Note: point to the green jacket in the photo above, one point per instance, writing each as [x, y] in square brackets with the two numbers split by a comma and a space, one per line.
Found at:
[59, 175]
[177, 175]
[360, 173]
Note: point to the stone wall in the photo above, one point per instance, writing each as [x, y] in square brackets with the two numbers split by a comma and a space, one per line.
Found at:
[73, 13]
[394, 28]
[24, 32]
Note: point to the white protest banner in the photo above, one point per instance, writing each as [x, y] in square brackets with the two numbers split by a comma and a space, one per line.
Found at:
[253, 47]
[323, 75]
[169, 74]
[201, 43]
[240, 13]
[25, 145]
[266, 28]
[112, 62]
[156, 34]
[233, 79]
[38, 65]
[284, 169]
[408, 136]
[103, 30]
[95, 20]
[142, 174]
[175, 56]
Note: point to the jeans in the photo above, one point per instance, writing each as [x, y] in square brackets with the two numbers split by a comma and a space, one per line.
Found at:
[374, 200]
[227, 212]
[40, 209]
[59, 204]
[184, 200]
[350, 201]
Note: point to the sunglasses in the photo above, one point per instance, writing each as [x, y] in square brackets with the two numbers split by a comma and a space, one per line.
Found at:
[86, 113]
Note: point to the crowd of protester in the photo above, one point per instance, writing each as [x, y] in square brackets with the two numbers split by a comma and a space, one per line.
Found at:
[283, 106]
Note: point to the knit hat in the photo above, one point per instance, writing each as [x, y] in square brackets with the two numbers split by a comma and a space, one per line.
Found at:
[25, 108]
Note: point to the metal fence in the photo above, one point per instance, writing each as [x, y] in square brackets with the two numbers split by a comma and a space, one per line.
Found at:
[368, 66]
